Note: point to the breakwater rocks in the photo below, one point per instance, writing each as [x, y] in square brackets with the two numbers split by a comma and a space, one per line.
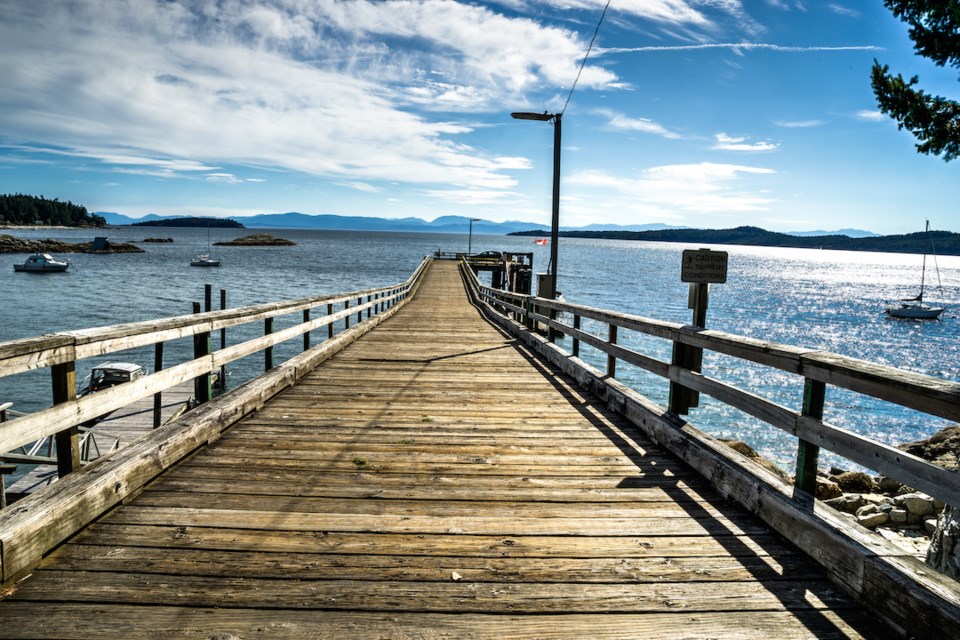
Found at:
[10, 244]
[257, 240]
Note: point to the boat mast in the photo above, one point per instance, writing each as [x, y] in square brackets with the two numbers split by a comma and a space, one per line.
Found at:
[923, 272]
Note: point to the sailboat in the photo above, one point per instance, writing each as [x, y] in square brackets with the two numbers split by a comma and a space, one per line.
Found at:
[914, 308]
[204, 259]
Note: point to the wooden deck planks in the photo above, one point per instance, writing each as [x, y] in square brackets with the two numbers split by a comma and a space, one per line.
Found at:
[430, 482]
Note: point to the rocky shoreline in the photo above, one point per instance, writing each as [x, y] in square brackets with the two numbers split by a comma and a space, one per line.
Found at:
[919, 524]
[10, 244]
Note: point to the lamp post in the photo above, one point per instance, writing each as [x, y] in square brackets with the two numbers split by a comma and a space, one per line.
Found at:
[555, 219]
[470, 237]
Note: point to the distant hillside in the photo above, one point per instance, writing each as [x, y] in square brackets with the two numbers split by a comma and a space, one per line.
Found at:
[443, 224]
[944, 242]
[19, 209]
[213, 223]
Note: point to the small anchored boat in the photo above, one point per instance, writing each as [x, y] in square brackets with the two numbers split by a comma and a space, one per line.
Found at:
[204, 259]
[914, 308]
[42, 263]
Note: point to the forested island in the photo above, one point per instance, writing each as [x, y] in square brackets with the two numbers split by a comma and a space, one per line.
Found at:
[212, 223]
[943, 242]
[22, 210]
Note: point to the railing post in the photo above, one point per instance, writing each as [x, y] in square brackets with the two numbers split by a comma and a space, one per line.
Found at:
[201, 348]
[346, 316]
[158, 396]
[306, 334]
[814, 397]
[329, 324]
[64, 379]
[360, 312]
[575, 349]
[528, 312]
[369, 308]
[223, 342]
[683, 399]
[268, 352]
[612, 359]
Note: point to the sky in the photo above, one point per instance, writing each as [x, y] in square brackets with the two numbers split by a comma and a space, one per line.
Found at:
[698, 113]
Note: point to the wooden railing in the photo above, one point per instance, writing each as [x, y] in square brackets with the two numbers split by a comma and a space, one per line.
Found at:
[818, 369]
[61, 351]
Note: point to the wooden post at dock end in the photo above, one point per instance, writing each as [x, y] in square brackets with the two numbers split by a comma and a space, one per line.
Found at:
[814, 398]
[64, 379]
[207, 297]
[201, 347]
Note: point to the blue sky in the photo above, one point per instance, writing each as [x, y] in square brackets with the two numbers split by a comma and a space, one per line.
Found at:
[703, 113]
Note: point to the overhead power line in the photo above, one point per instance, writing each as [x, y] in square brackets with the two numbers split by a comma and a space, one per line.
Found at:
[582, 64]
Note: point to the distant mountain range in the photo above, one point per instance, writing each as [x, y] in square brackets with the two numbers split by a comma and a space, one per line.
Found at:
[443, 224]
[944, 242]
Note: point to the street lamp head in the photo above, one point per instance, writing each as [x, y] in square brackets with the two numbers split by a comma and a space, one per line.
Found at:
[526, 115]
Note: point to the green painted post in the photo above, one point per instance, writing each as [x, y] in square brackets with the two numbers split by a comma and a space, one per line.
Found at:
[814, 397]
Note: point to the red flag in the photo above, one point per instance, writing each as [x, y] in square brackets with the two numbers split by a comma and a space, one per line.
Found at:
[541, 241]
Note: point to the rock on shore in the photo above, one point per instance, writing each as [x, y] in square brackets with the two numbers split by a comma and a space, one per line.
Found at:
[10, 244]
[943, 448]
[257, 240]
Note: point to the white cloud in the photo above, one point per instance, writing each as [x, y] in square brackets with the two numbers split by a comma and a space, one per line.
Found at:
[740, 47]
[729, 143]
[642, 125]
[322, 88]
[843, 10]
[870, 116]
[689, 188]
[798, 124]
[362, 186]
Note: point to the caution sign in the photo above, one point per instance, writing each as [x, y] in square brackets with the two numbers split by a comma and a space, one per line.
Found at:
[704, 265]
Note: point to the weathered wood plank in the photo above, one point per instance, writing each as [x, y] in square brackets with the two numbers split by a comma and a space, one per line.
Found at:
[79, 620]
[450, 596]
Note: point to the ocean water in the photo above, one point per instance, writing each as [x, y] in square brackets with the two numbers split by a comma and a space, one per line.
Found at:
[829, 300]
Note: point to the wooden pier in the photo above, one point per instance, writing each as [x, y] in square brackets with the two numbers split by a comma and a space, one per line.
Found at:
[435, 479]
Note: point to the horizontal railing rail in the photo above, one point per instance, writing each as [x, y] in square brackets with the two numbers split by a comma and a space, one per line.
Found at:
[926, 394]
[60, 351]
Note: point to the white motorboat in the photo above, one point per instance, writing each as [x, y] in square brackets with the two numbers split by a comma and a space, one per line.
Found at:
[42, 263]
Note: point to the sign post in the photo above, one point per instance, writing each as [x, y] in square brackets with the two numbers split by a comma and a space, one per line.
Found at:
[699, 268]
